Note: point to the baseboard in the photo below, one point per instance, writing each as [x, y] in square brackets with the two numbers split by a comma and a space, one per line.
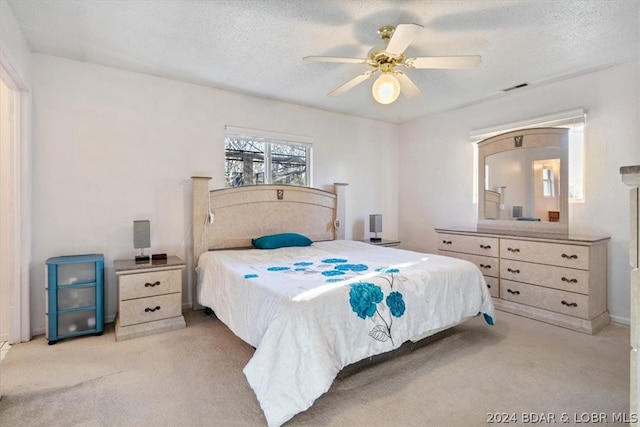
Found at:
[621, 320]
[110, 318]
[591, 326]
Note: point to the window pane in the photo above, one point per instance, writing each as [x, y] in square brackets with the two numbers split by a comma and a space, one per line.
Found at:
[244, 162]
[547, 182]
[252, 160]
[288, 164]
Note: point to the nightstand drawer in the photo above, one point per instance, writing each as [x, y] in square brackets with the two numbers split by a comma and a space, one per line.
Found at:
[142, 310]
[150, 283]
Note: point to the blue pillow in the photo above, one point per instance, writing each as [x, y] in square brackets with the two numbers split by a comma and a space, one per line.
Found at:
[282, 240]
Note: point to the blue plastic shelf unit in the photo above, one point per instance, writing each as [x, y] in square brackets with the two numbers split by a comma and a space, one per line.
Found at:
[75, 296]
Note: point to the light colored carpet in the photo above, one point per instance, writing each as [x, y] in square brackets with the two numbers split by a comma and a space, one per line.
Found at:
[193, 377]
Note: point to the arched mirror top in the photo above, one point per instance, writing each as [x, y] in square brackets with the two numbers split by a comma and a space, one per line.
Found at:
[523, 181]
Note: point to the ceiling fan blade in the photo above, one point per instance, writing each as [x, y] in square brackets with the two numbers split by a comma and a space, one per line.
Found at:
[407, 87]
[444, 62]
[402, 37]
[352, 83]
[334, 59]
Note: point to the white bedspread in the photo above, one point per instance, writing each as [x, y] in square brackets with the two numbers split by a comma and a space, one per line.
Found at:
[311, 311]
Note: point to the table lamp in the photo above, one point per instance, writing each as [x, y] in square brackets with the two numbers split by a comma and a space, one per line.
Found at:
[375, 226]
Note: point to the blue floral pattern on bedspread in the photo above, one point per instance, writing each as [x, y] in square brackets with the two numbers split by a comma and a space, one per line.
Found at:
[365, 297]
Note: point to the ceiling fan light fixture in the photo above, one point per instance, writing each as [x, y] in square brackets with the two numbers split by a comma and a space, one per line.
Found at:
[386, 88]
[390, 54]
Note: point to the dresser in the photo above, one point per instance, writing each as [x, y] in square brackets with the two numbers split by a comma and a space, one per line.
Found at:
[558, 279]
[631, 177]
[149, 297]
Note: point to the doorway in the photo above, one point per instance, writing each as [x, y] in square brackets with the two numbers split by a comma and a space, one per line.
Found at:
[14, 208]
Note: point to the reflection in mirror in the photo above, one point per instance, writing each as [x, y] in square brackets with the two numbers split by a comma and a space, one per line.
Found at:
[524, 180]
[522, 184]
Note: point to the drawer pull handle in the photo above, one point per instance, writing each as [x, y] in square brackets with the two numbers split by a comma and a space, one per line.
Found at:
[513, 292]
[446, 242]
[488, 286]
[564, 279]
[147, 310]
[147, 285]
[569, 256]
[513, 249]
[485, 246]
[516, 271]
[485, 266]
[569, 304]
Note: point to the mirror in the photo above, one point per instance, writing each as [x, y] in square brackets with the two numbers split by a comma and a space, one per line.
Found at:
[523, 184]
[523, 181]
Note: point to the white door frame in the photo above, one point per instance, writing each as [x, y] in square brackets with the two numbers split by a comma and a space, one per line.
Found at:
[16, 242]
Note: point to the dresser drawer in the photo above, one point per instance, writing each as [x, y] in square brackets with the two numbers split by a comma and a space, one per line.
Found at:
[488, 265]
[576, 305]
[567, 279]
[546, 253]
[477, 245]
[493, 283]
[142, 310]
[150, 283]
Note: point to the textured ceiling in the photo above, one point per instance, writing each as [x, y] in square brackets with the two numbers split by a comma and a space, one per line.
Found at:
[256, 46]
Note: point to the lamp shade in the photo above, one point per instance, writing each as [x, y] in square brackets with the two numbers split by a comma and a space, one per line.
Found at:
[141, 234]
[375, 223]
[386, 89]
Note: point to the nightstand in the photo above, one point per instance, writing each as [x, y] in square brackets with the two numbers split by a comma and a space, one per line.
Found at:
[149, 297]
[388, 243]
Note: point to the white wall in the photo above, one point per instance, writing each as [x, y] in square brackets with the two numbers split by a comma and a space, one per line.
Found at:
[437, 166]
[111, 146]
[12, 43]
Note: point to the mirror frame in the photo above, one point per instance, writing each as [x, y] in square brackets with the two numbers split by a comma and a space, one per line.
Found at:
[518, 140]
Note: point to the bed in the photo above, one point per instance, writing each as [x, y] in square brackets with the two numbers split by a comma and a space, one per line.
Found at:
[312, 309]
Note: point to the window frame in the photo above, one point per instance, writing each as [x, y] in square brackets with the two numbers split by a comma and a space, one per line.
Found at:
[270, 138]
[547, 182]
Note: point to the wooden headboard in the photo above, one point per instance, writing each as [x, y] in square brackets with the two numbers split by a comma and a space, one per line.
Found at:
[231, 217]
[492, 202]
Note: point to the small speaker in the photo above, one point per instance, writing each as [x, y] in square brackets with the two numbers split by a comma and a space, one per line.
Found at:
[141, 234]
[517, 211]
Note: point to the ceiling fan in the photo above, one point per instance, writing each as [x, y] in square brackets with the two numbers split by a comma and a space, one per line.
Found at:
[387, 56]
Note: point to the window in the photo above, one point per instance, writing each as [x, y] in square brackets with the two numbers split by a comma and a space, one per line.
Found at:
[547, 182]
[258, 157]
